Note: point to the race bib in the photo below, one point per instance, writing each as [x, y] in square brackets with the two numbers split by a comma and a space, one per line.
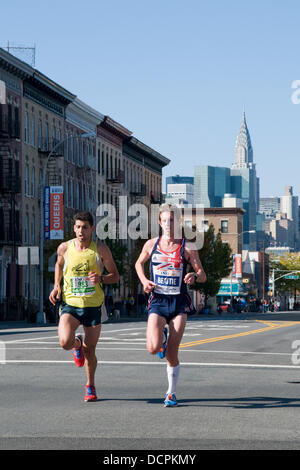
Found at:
[81, 286]
[167, 281]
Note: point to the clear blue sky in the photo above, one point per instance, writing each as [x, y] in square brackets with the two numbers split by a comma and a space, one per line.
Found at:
[177, 74]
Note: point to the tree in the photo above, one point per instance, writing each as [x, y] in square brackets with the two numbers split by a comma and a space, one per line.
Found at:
[285, 264]
[216, 259]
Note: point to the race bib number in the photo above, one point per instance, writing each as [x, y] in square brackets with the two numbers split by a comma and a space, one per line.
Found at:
[81, 286]
[167, 282]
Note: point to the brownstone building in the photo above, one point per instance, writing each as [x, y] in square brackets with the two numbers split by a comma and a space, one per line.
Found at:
[226, 219]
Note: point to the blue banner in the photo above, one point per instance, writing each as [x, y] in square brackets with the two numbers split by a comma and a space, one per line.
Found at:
[47, 213]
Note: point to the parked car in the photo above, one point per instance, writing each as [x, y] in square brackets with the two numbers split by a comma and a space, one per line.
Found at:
[224, 307]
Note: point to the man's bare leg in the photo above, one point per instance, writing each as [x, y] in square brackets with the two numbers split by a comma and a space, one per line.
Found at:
[92, 334]
[154, 337]
[66, 331]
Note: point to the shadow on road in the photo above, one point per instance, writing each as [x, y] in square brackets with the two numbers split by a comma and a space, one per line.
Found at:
[238, 403]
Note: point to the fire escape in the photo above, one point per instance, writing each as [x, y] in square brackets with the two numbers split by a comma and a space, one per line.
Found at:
[51, 149]
[10, 191]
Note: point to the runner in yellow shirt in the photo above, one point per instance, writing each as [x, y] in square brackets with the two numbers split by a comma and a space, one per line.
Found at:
[80, 263]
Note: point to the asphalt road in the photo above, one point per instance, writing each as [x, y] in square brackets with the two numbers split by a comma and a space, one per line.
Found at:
[239, 388]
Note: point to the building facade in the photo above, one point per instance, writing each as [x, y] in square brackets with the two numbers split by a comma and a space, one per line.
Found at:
[210, 185]
[50, 137]
[11, 89]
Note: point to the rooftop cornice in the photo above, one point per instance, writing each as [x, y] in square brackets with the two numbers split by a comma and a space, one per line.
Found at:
[79, 105]
[46, 84]
[24, 71]
[115, 128]
[14, 65]
[148, 150]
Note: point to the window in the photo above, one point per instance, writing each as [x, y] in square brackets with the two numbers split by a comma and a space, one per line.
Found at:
[26, 180]
[69, 202]
[32, 131]
[83, 191]
[77, 196]
[26, 130]
[102, 163]
[46, 136]
[72, 194]
[67, 147]
[53, 137]
[33, 229]
[77, 151]
[32, 182]
[82, 154]
[66, 196]
[17, 123]
[26, 235]
[224, 226]
[40, 178]
[40, 134]
[205, 225]
[72, 149]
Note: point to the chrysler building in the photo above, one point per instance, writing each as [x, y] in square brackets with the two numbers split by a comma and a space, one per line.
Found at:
[243, 148]
[245, 184]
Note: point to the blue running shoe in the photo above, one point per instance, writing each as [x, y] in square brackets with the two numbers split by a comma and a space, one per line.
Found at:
[170, 400]
[161, 354]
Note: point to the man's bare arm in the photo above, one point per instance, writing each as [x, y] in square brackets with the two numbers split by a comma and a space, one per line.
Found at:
[192, 256]
[139, 266]
[113, 275]
[55, 294]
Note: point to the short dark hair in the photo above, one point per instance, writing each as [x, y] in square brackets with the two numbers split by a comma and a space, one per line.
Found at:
[84, 217]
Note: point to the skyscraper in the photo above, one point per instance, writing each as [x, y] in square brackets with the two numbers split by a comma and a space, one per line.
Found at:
[210, 185]
[244, 182]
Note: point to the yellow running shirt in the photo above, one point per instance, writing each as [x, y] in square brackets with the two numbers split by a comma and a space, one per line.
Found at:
[78, 291]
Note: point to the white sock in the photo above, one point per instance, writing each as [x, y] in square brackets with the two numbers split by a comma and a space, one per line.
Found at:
[173, 374]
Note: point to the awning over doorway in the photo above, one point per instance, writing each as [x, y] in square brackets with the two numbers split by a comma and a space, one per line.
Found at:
[237, 288]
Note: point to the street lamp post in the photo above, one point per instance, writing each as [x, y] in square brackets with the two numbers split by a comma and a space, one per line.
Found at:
[41, 317]
[280, 277]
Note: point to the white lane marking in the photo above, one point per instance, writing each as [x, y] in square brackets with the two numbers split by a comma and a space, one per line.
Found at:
[145, 350]
[203, 364]
[30, 340]
[59, 349]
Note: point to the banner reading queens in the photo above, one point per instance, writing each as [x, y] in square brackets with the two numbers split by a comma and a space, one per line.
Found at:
[56, 212]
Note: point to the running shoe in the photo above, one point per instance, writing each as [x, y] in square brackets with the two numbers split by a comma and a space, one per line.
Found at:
[90, 393]
[170, 400]
[161, 354]
[78, 356]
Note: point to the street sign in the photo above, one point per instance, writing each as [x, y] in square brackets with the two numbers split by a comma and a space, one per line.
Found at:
[291, 276]
[28, 251]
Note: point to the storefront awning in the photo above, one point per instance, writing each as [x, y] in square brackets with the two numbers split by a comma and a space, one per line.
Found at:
[235, 289]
